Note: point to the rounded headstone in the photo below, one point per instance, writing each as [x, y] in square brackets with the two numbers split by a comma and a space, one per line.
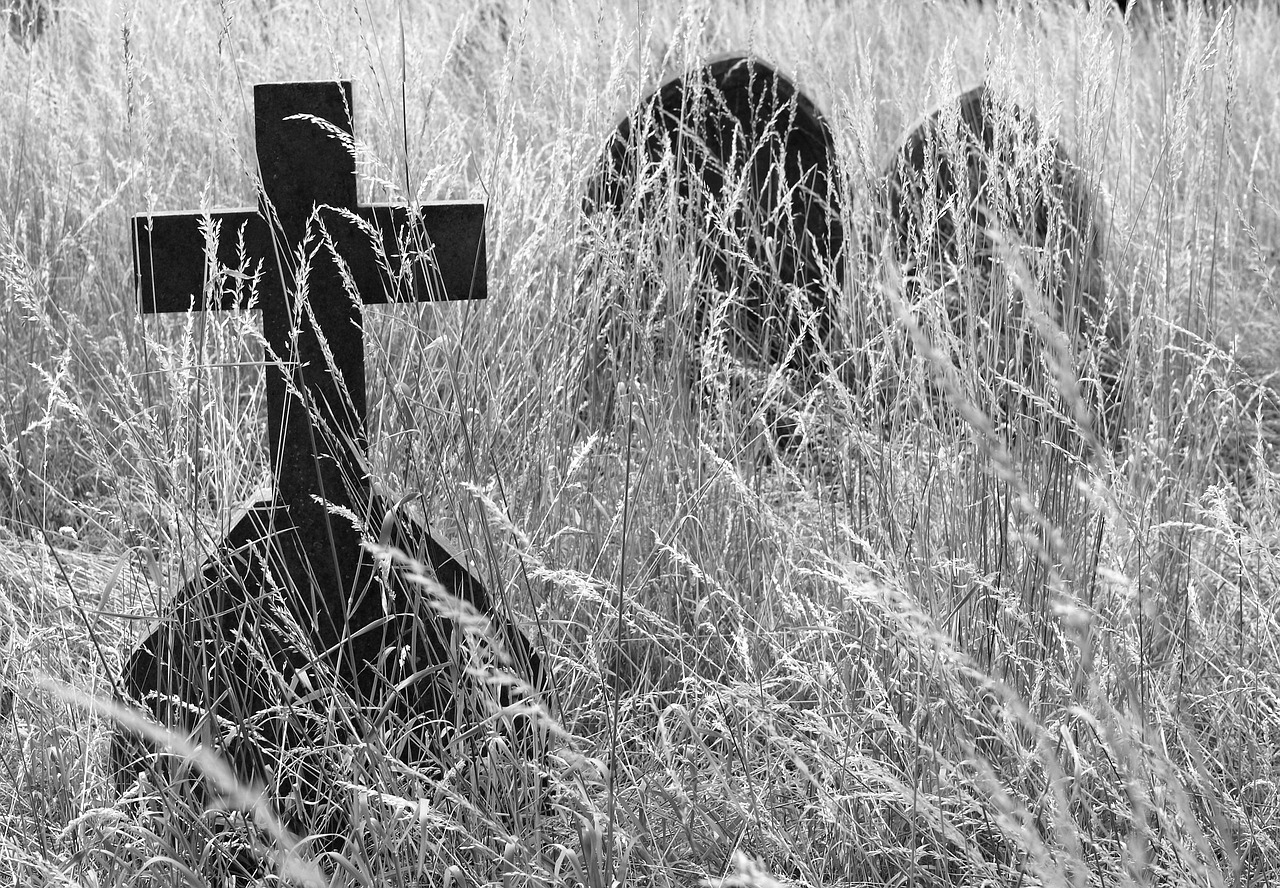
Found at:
[998, 236]
[26, 19]
[728, 175]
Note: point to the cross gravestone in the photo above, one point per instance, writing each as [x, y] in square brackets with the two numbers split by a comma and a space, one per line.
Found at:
[972, 187]
[731, 169]
[291, 602]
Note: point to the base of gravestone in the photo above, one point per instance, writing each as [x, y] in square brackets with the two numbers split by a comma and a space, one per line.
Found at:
[235, 668]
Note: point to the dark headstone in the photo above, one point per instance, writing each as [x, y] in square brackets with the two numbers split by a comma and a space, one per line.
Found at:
[26, 20]
[976, 192]
[734, 165]
[292, 606]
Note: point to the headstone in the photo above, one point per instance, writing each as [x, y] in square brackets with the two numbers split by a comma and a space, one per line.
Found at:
[735, 166]
[976, 191]
[292, 605]
[26, 19]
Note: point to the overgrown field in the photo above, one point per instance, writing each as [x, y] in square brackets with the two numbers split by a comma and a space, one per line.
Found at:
[906, 643]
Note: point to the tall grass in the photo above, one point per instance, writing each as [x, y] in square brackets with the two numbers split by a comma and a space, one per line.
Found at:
[910, 650]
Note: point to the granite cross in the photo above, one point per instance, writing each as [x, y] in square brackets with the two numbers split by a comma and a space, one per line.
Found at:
[308, 256]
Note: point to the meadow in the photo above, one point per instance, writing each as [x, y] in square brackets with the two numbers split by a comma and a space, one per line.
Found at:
[913, 646]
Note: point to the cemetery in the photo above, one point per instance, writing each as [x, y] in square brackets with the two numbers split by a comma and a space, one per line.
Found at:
[839, 449]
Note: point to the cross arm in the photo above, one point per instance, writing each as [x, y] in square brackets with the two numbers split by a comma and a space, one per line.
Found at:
[171, 258]
[434, 255]
[443, 243]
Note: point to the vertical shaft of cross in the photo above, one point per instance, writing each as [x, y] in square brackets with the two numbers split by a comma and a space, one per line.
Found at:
[315, 374]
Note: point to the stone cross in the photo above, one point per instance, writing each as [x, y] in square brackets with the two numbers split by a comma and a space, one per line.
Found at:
[311, 255]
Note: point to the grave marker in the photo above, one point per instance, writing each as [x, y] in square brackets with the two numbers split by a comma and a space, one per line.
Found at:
[26, 19]
[974, 186]
[745, 165]
[299, 548]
